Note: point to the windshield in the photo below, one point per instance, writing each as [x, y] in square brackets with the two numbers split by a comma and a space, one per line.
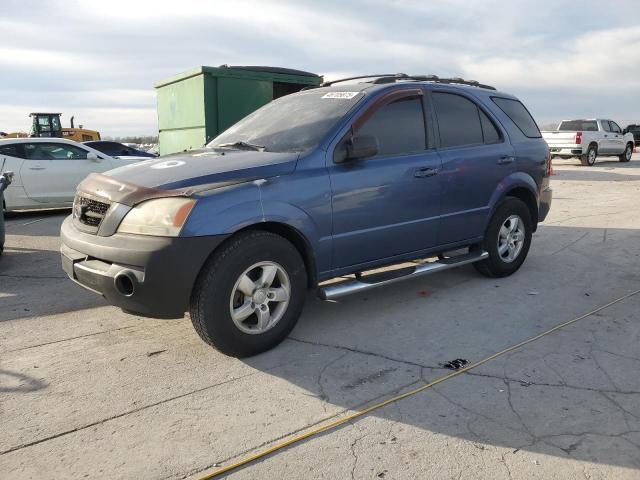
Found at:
[293, 123]
[575, 125]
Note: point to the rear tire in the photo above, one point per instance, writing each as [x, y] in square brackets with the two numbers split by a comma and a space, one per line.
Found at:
[249, 295]
[507, 239]
[589, 159]
[628, 152]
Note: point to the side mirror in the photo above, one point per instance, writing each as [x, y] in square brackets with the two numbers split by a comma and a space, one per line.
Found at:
[93, 157]
[361, 146]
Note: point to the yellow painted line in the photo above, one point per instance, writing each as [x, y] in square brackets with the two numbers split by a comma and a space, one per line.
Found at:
[341, 421]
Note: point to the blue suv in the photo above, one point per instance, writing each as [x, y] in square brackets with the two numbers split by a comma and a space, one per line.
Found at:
[413, 173]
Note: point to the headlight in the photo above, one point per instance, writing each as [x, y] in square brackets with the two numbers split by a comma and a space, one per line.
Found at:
[162, 216]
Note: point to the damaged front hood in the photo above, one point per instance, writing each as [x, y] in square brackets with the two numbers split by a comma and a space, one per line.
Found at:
[185, 174]
[205, 166]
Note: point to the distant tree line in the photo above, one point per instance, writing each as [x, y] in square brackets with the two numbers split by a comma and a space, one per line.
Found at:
[134, 139]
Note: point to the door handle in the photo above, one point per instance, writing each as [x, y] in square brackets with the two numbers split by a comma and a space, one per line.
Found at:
[37, 168]
[425, 172]
[505, 159]
[606, 136]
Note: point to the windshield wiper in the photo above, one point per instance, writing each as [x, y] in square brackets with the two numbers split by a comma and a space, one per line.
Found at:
[243, 145]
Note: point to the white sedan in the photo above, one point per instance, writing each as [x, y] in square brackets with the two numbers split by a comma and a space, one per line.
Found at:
[48, 170]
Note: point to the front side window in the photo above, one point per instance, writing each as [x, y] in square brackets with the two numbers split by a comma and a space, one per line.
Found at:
[458, 120]
[398, 127]
[615, 127]
[53, 151]
[519, 115]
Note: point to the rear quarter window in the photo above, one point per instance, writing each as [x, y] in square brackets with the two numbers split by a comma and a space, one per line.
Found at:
[519, 115]
[11, 151]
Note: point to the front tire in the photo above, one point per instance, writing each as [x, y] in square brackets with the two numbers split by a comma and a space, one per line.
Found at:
[626, 155]
[249, 295]
[507, 239]
[589, 159]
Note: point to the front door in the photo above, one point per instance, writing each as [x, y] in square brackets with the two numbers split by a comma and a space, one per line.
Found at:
[617, 142]
[607, 144]
[52, 171]
[388, 204]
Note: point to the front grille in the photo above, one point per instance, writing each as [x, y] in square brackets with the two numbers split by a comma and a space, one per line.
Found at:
[89, 211]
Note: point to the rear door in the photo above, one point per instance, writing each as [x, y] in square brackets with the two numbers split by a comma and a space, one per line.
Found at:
[51, 171]
[388, 204]
[475, 159]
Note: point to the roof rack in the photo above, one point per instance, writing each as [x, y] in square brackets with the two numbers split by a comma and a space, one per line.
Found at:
[381, 75]
[393, 77]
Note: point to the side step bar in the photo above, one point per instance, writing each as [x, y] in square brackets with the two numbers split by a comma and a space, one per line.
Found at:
[374, 280]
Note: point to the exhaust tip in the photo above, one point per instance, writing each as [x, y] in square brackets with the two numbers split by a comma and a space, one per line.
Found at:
[125, 283]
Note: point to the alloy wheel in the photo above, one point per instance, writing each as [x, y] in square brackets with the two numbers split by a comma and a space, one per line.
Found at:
[511, 238]
[260, 297]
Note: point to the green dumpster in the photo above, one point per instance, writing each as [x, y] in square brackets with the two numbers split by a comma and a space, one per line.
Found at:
[197, 105]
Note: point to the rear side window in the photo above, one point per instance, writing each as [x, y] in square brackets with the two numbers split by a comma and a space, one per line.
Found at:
[605, 126]
[10, 151]
[459, 121]
[398, 126]
[518, 115]
[489, 130]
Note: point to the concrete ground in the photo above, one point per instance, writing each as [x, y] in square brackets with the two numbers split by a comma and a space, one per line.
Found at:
[87, 391]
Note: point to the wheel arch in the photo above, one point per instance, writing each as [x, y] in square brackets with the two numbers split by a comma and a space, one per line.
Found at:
[529, 199]
[293, 235]
[522, 186]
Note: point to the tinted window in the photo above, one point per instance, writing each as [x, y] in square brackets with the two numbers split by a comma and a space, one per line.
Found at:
[110, 148]
[575, 125]
[53, 151]
[398, 126]
[614, 127]
[518, 115]
[458, 120]
[489, 130]
[605, 126]
[10, 150]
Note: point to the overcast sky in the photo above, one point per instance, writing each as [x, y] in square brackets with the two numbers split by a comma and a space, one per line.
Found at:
[99, 60]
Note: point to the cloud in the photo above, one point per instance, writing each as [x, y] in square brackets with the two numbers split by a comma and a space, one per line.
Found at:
[99, 60]
[592, 62]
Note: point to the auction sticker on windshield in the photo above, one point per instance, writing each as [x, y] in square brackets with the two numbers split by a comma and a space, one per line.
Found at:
[345, 95]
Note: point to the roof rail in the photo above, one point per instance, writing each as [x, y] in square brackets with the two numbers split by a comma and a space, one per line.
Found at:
[393, 77]
[381, 75]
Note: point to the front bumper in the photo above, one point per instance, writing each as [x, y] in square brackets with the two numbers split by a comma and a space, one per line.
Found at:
[146, 275]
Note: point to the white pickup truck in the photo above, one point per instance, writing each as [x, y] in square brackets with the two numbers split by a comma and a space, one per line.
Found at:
[587, 139]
